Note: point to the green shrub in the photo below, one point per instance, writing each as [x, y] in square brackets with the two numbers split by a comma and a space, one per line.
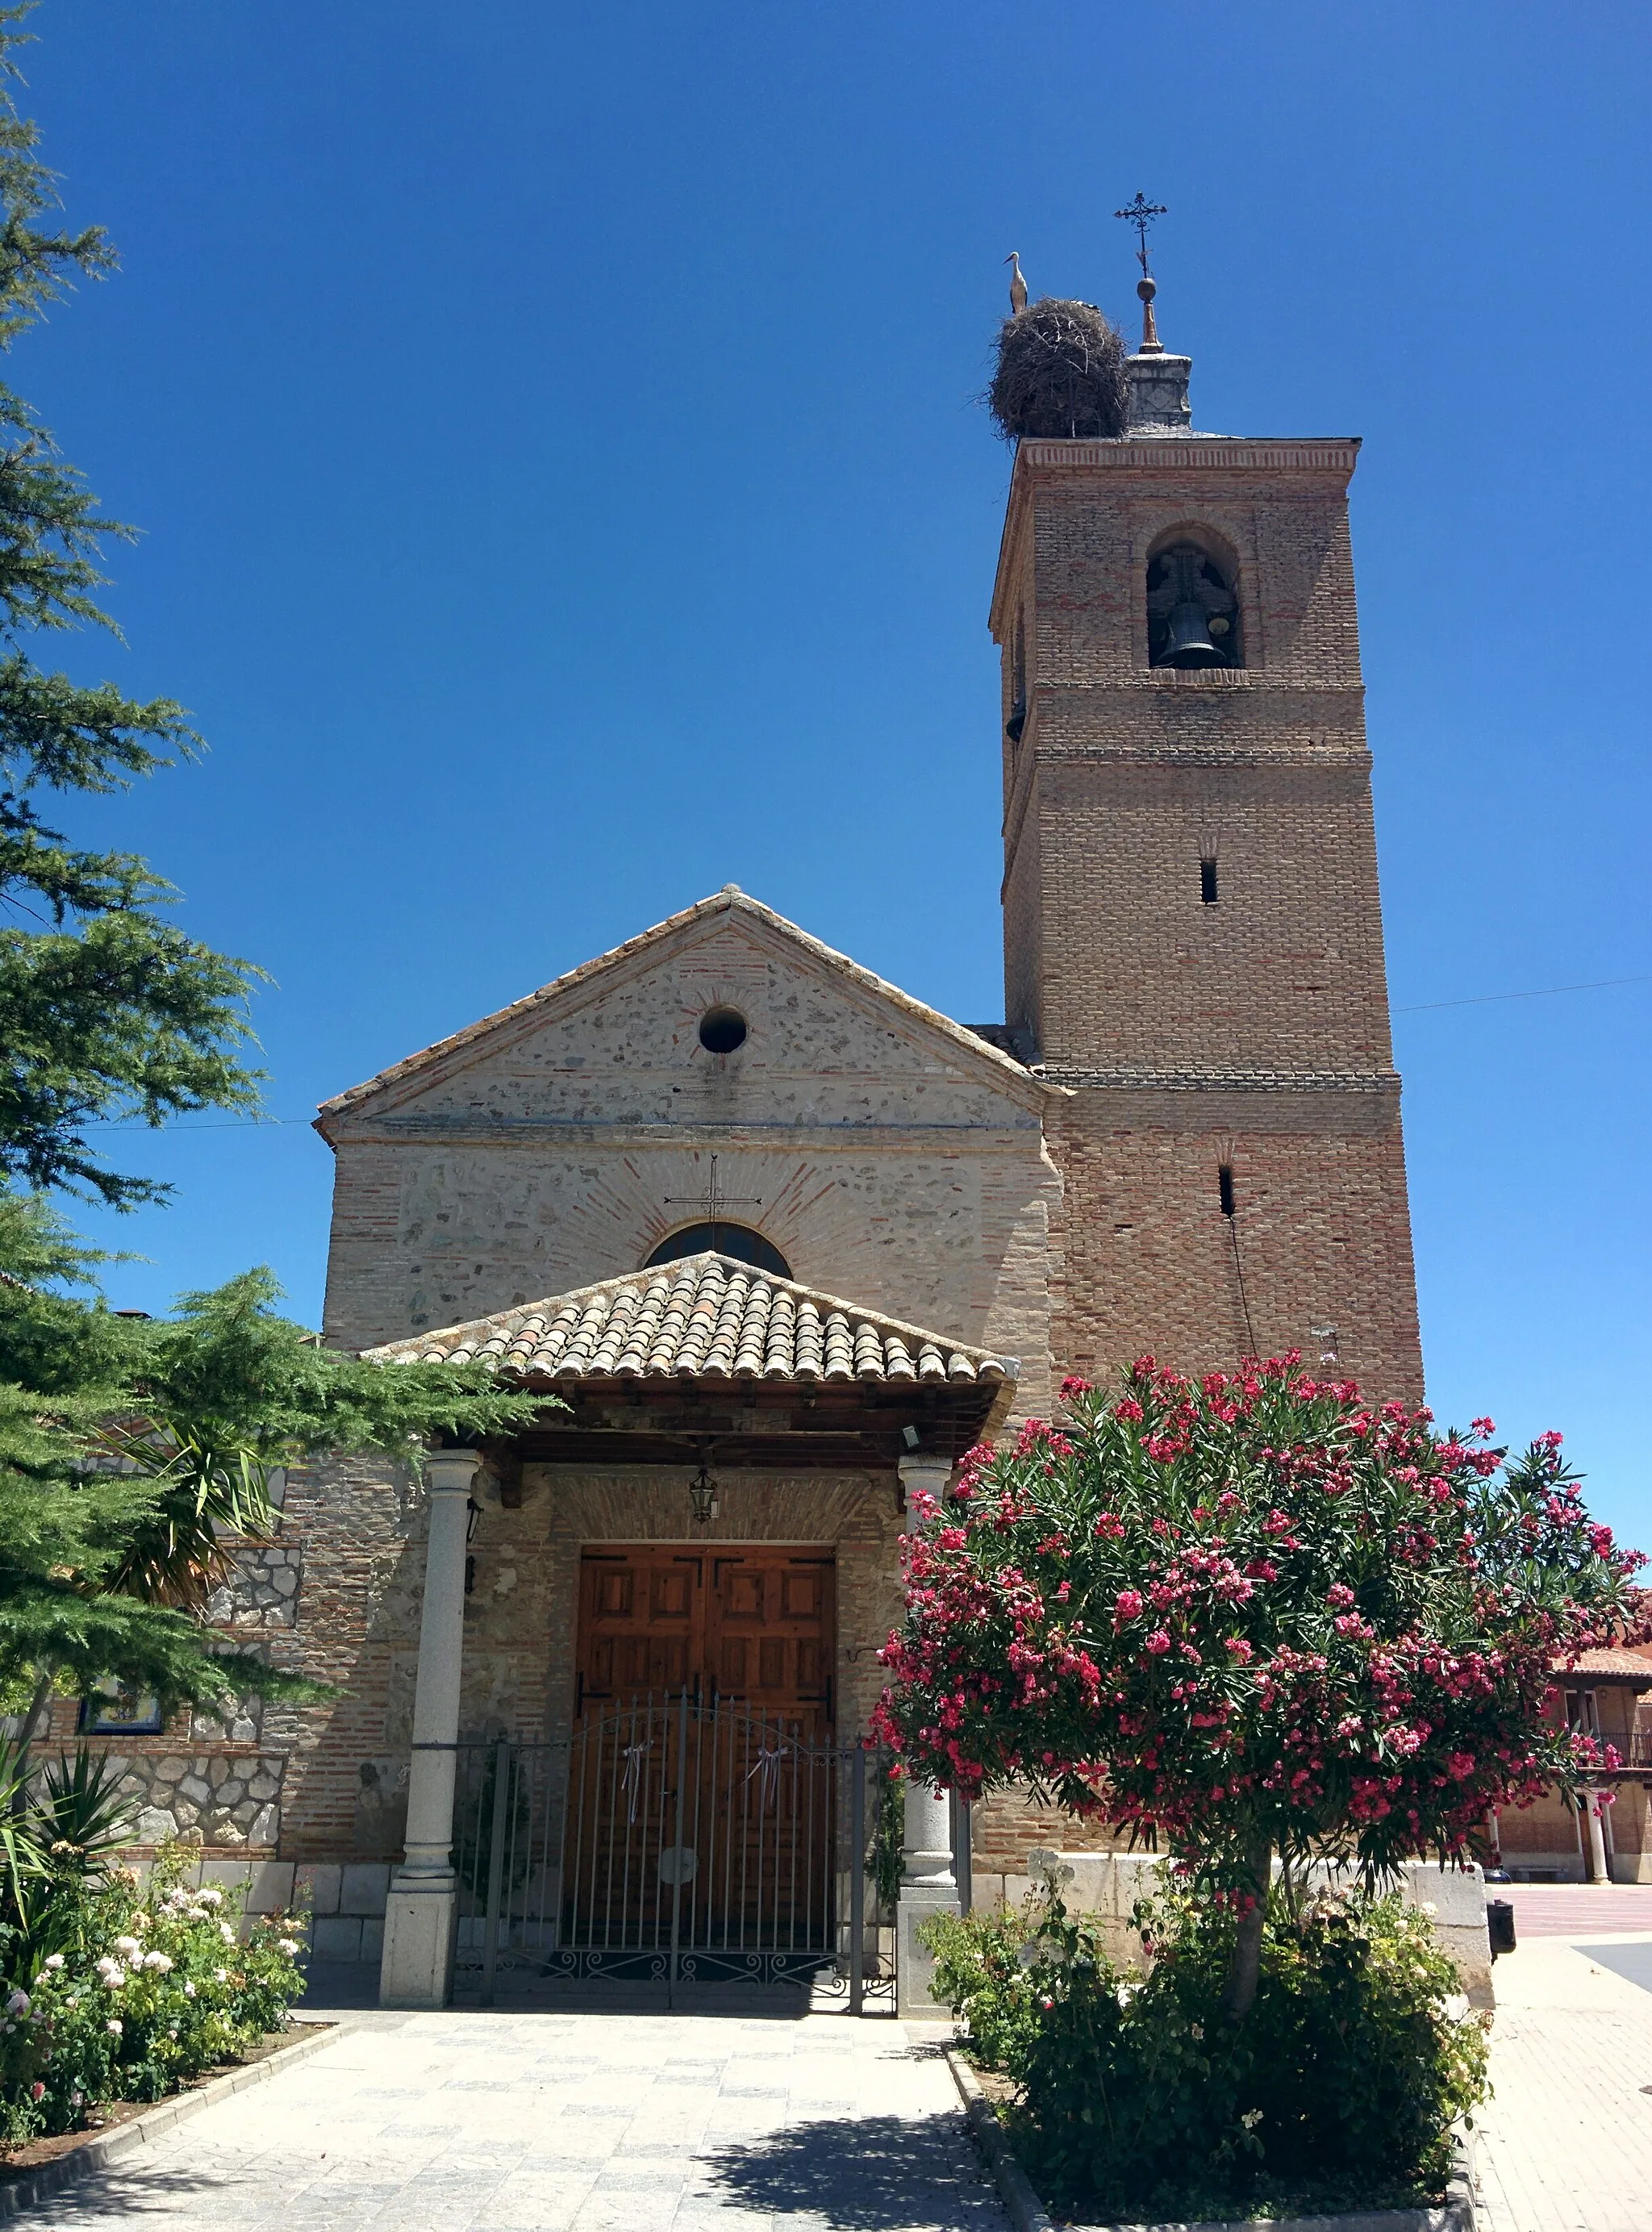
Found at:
[1135, 2095]
[148, 1984]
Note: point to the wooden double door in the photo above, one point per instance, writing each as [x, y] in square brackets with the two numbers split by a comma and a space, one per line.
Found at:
[702, 1781]
[753, 1625]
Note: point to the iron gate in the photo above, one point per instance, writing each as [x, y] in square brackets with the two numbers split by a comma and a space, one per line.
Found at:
[668, 1841]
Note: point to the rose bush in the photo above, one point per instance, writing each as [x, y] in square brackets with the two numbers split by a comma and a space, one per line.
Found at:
[1251, 1617]
[1136, 2097]
[149, 1982]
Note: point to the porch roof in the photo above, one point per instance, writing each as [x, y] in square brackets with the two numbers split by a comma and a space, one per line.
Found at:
[706, 1318]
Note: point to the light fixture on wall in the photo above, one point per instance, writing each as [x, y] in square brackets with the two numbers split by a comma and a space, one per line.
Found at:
[703, 1502]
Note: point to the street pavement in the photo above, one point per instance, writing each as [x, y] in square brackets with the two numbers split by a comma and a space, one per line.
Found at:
[593, 2121]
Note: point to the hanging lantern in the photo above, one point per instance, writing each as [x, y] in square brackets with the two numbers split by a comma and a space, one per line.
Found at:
[703, 1503]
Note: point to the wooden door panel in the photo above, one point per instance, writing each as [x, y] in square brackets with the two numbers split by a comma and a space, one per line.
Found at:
[757, 1623]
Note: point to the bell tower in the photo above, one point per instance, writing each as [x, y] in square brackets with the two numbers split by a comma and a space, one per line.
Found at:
[1193, 937]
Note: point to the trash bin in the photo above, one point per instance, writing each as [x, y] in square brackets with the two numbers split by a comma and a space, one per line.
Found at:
[1500, 1925]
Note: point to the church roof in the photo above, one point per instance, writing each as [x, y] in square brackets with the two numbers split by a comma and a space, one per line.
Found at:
[975, 1049]
[704, 1318]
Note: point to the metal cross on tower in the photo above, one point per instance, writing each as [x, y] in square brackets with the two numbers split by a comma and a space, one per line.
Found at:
[712, 1200]
[1140, 213]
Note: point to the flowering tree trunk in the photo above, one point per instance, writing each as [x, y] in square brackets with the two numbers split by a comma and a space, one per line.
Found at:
[1244, 1971]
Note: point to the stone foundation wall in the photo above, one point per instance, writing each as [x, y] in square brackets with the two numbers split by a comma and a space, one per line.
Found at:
[1108, 1885]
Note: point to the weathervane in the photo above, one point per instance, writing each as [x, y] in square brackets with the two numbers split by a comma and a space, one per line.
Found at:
[1140, 213]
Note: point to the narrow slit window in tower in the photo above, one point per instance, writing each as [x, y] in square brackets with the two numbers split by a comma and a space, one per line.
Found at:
[1225, 1188]
[1207, 882]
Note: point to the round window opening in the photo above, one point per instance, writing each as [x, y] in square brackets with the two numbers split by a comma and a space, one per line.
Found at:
[722, 1029]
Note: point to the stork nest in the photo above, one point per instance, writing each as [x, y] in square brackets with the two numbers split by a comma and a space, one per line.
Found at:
[1060, 374]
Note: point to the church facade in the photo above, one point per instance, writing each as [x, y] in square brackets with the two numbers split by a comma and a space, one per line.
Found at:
[782, 1241]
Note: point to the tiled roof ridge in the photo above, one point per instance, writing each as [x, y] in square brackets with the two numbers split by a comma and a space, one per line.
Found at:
[706, 1315]
[718, 902]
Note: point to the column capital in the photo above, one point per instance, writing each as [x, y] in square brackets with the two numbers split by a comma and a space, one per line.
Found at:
[921, 1473]
[451, 1471]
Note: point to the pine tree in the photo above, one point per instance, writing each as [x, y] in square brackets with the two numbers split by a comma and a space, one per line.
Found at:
[129, 1448]
[133, 1454]
[105, 1006]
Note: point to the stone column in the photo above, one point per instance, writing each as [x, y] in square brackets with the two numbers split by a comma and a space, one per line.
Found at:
[1598, 1871]
[422, 1909]
[927, 1883]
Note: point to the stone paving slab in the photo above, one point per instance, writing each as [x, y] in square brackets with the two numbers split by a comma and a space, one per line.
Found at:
[1576, 1910]
[1566, 2145]
[571, 2122]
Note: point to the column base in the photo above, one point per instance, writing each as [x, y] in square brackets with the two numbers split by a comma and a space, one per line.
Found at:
[914, 1962]
[421, 1916]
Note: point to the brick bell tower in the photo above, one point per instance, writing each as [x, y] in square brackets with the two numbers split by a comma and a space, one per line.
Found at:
[1193, 940]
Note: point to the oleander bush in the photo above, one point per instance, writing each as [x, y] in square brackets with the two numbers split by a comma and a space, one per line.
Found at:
[122, 1987]
[1137, 2094]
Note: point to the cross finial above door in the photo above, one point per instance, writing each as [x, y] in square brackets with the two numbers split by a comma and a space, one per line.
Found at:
[713, 1200]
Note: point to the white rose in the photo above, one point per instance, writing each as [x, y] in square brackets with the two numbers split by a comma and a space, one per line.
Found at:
[128, 1947]
[188, 1991]
[222, 1975]
[226, 1933]
[114, 2027]
[159, 1962]
[210, 1896]
[289, 1945]
[53, 1960]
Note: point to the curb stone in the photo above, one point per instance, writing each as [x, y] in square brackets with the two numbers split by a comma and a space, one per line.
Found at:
[96, 2154]
[1028, 2213]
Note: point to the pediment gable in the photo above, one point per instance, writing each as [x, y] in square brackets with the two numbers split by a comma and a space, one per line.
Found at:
[617, 1040]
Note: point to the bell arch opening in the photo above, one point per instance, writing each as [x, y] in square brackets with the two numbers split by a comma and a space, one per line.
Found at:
[1193, 614]
[721, 1239]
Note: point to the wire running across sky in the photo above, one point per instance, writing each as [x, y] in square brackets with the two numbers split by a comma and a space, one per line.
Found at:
[1421, 1007]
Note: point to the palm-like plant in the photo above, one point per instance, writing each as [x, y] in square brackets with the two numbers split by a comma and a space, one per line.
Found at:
[213, 1486]
[59, 1830]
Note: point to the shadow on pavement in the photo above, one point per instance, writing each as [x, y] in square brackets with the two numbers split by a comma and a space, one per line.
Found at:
[876, 2174]
[1634, 1961]
[124, 2192]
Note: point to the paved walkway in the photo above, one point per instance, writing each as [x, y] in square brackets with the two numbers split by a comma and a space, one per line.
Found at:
[1576, 1910]
[593, 2121]
[1565, 2146]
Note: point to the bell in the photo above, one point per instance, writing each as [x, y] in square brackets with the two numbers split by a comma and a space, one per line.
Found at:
[1187, 638]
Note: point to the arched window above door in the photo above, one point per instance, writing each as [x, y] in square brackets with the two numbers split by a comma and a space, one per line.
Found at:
[736, 1240]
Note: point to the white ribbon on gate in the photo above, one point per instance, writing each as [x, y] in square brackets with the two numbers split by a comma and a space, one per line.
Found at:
[631, 1780]
[769, 1766]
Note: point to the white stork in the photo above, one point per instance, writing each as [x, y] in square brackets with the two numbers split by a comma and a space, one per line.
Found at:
[1017, 284]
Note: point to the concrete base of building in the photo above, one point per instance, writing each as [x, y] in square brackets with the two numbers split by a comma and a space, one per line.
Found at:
[914, 1962]
[420, 1936]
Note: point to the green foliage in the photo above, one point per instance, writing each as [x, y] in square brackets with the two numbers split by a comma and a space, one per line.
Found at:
[125, 1444]
[886, 1860]
[60, 1829]
[148, 1984]
[107, 1007]
[1135, 2095]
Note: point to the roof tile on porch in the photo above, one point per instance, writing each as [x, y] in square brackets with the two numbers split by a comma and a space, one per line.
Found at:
[703, 1318]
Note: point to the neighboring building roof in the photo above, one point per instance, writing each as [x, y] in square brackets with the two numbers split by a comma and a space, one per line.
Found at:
[703, 1318]
[1631, 1661]
[973, 1046]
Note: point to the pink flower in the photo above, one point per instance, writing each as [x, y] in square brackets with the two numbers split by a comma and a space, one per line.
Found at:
[1158, 1643]
[1128, 1605]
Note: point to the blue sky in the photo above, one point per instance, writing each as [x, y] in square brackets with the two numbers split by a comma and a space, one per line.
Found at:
[555, 434]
